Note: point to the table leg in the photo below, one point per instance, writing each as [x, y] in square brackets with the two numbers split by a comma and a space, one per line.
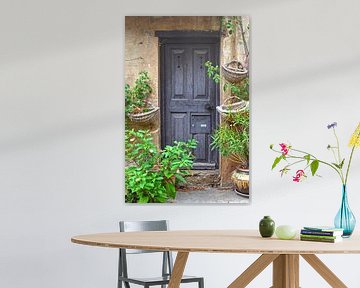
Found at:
[324, 271]
[253, 270]
[286, 271]
[178, 269]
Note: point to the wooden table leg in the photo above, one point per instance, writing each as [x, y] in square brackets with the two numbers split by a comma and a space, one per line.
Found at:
[286, 271]
[324, 271]
[178, 270]
[253, 270]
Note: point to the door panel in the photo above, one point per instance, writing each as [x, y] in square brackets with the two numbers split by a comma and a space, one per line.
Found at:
[179, 127]
[200, 56]
[189, 97]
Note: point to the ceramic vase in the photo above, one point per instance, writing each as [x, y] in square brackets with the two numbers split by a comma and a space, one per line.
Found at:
[266, 227]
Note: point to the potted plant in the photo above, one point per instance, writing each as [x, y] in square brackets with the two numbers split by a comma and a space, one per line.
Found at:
[138, 108]
[232, 140]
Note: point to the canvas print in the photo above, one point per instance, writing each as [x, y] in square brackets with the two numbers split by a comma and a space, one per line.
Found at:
[187, 109]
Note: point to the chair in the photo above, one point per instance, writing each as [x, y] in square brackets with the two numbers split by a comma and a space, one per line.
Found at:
[167, 262]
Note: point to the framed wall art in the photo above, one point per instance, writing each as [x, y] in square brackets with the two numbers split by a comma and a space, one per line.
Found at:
[187, 109]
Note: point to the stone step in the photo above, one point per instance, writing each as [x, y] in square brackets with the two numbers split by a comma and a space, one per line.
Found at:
[201, 179]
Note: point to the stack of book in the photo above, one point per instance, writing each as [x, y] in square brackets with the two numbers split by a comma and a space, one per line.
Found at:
[321, 234]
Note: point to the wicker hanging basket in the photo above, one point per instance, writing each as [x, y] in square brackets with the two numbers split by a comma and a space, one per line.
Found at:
[234, 71]
[232, 105]
[145, 116]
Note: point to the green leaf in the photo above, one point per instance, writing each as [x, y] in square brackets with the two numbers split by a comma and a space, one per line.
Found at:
[336, 165]
[339, 166]
[307, 157]
[276, 161]
[170, 188]
[342, 163]
[143, 199]
[314, 166]
[180, 178]
[168, 174]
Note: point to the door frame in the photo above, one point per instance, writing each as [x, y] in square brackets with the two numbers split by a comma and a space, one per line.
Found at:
[183, 36]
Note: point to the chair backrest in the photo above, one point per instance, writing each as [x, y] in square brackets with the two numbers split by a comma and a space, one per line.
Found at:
[135, 226]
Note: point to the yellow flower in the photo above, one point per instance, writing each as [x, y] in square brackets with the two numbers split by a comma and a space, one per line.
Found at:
[355, 137]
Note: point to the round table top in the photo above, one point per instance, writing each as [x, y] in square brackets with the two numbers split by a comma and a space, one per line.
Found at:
[219, 241]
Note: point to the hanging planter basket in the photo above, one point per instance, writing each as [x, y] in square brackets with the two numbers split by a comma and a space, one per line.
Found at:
[234, 71]
[147, 116]
[232, 105]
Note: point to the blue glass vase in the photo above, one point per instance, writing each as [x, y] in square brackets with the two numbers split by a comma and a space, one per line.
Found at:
[345, 219]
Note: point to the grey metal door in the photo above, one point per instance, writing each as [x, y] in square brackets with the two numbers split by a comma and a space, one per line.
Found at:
[189, 97]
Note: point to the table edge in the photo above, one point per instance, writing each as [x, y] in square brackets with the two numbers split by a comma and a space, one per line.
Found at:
[204, 250]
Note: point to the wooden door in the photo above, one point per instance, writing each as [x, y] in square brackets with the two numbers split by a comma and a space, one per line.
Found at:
[189, 97]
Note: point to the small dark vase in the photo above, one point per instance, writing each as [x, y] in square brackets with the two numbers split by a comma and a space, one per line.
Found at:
[266, 226]
[345, 219]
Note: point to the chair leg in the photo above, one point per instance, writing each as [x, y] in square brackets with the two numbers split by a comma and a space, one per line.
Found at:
[201, 283]
[126, 284]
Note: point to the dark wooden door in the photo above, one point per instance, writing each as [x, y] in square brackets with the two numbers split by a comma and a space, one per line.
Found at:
[189, 96]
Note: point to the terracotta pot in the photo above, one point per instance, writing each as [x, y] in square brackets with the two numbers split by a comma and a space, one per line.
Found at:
[240, 178]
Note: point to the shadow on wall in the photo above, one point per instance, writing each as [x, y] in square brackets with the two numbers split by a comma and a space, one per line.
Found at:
[75, 23]
[67, 130]
[311, 74]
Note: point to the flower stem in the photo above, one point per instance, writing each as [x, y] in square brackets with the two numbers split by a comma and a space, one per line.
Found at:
[339, 156]
[304, 152]
[351, 155]
[333, 152]
[314, 158]
[320, 161]
[348, 167]
[296, 162]
[338, 146]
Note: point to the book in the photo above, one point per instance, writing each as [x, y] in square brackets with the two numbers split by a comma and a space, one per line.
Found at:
[321, 233]
[323, 228]
[325, 240]
[319, 236]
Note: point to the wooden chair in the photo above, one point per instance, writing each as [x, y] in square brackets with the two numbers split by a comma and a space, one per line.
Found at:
[167, 262]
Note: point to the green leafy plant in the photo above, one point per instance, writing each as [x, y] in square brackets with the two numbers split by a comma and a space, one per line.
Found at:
[232, 138]
[135, 96]
[152, 174]
[228, 25]
[240, 90]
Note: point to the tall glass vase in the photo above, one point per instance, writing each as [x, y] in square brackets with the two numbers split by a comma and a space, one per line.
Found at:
[345, 219]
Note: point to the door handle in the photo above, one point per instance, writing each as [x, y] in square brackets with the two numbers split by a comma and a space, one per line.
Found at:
[208, 106]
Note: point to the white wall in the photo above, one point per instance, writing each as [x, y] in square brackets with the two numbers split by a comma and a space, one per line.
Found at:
[61, 123]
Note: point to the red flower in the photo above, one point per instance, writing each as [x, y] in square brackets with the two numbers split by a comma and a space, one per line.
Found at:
[284, 148]
[299, 175]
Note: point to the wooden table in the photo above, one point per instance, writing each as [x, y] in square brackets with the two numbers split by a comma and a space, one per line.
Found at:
[284, 254]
